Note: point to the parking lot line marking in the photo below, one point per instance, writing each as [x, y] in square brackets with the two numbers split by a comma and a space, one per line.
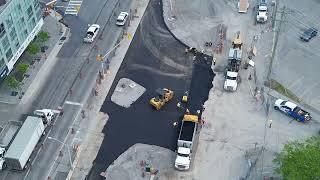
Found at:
[73, 103]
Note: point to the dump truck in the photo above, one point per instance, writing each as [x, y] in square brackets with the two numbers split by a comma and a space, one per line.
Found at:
[22, 146]
[243, 6]
[233, 67]
[262, 12]
[164, 95]
[185, 141]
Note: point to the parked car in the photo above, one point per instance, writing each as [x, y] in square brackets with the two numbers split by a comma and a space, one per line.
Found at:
[92, 32]
[292, 110]
[309, 34]
[122, 18]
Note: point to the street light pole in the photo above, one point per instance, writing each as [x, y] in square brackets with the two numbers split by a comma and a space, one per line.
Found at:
[64, 144]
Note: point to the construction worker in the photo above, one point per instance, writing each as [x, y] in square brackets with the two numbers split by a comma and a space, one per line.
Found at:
[203, 121]
[175, 124]
[270, 123]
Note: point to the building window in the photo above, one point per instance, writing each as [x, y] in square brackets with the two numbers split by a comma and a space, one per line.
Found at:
[13, 34]
[29, 12]
[17, 44]
[5, 43]
[2, 63]
[21, 23]
[9, 21]
[19, 7]
[9, 54]
[36, 5]
[2, 30]
[39, 13]
[25, 32]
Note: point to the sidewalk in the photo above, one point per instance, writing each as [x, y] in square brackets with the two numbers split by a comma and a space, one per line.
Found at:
[39, 66]
[87, 132]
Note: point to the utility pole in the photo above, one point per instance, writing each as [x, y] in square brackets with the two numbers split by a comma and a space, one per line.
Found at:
[277, 30]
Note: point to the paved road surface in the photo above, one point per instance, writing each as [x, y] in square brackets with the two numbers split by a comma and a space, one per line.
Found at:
[154, 60]
[65, 76]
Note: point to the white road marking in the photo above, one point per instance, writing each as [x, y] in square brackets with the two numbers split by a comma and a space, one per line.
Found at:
[73, 7]
[73, 103]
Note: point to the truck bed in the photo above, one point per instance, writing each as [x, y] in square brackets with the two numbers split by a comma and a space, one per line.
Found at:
[187, 131]
[8, 133]
[243, 5]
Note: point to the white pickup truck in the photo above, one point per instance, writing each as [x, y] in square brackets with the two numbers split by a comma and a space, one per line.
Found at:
[262, 13]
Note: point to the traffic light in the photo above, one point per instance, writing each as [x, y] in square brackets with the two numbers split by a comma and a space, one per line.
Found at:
[99, 57]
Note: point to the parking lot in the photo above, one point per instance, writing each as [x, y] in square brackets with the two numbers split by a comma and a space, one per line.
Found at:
[296, 63]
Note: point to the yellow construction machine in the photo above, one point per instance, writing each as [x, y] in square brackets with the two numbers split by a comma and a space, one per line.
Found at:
[237, 42]
[164, 95]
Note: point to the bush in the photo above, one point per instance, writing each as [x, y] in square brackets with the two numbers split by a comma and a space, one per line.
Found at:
[12, 82]
[43, 36]
[33, 48]
[23, 68]
[300, 160]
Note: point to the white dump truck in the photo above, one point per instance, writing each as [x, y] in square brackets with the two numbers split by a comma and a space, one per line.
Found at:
[262, 12]
[185, 141]
[21, 148]
[233, 67]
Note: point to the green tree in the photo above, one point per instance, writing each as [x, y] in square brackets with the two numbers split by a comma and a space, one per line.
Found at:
[43, 36]
[23, 67]
[33, 48]
[12, 82]
[300, 160]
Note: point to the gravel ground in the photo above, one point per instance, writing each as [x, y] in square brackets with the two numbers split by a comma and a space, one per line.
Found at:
[237, 123]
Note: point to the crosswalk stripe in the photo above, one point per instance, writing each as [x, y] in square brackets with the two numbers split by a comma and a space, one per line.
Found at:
[73, 103]
[73, 7]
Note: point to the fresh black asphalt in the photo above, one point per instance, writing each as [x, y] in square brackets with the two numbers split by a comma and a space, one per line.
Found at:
[154, 60]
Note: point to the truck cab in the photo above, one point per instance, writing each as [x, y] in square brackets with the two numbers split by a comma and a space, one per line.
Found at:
[231, 82]
[47, 115]
[182, 161]
[262, 13]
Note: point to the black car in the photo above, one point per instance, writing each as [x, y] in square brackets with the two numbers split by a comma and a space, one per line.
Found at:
[309, 34]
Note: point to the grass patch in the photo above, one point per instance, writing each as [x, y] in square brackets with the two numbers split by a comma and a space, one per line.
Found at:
[275, 85]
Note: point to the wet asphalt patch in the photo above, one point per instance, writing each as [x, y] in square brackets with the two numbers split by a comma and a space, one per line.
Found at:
[154, 60]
